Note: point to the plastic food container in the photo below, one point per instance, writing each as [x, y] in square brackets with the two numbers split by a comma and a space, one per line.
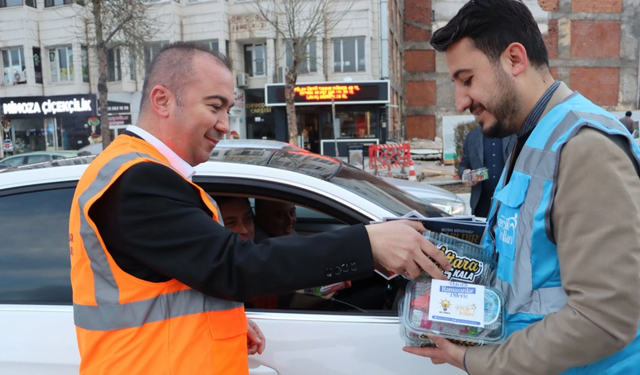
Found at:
[415, 324]
[471, 263]
[476, 175]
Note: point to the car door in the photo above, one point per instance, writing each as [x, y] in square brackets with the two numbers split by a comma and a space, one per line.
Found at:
[37, 334]
[343, 336]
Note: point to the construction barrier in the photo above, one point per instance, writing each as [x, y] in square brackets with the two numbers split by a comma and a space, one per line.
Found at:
[390, 155]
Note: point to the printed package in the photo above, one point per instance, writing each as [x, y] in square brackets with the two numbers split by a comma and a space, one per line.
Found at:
[476, 175]
[470, 263]
[473, 269]
[415, 324]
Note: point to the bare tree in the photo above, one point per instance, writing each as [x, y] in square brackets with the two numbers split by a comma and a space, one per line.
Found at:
[122, 24]
[298, 23]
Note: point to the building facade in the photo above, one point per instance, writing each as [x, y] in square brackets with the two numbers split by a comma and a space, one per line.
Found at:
[47, 57]
[593, 47]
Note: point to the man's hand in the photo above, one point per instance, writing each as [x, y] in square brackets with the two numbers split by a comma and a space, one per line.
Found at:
[465, 181]
[255, 339]
[446, 352]
[399, 247]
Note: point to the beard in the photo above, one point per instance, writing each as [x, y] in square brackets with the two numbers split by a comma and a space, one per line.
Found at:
[505, 107]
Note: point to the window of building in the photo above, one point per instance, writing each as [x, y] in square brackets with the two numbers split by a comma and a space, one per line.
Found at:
[348, 55]
[151, 51]
[17, 3]
[308, 62]
[13, 66]
[211, 45]
[84, 54]
[114, 71]
[61, 63]
[132, 64]
[255, 59]
[35, 269]
[55, 3]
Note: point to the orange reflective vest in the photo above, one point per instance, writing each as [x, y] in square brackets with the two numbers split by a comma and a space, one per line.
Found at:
[126, 325]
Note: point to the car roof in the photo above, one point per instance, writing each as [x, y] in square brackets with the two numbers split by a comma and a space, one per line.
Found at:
[96, 148]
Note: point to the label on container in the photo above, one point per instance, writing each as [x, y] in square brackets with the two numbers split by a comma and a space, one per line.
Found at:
[457, 303]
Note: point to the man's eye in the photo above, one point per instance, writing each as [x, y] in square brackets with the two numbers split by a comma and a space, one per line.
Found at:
[467, 82]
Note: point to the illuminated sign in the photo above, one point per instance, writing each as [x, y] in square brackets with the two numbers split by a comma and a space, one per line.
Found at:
[369, 92]
[335, 92]
[52, 106]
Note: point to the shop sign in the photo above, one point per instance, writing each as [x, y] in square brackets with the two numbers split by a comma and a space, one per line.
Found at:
[368, 92]
[118, 107]
[119, 120]
[256, 108]
[245, 22]
[64, 105]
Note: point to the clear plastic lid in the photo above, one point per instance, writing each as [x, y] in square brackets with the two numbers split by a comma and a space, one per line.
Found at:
[471, 263]
[416, 325]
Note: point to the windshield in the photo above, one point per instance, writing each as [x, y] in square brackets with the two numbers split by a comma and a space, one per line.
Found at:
[382, 193]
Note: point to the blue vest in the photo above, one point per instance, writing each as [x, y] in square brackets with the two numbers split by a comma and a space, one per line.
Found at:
[528, 271]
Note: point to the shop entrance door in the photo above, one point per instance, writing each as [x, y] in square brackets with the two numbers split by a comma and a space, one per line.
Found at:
[51, 134]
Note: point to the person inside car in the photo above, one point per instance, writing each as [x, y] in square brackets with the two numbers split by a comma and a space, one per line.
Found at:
[274, 219]
[237, 216]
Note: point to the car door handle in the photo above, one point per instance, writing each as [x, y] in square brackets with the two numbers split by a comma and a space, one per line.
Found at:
[262, 370]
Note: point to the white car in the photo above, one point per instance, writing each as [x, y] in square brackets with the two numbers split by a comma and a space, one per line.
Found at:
[438, 197]
[37, 334]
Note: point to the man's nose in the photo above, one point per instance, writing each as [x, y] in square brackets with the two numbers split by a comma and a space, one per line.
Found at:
[463, 101]
[223, 123]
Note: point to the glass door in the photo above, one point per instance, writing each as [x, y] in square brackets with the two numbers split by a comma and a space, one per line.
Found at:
[51, 133]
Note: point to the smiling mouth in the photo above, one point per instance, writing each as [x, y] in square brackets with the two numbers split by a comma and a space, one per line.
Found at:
[212, 140]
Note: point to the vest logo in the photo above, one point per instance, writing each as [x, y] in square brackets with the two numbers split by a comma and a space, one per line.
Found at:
[507, 228]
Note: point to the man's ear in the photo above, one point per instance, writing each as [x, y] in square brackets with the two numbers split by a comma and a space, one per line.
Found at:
[161, 100]
[515, 59]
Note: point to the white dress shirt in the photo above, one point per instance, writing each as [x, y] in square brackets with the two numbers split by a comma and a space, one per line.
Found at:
[176, 161]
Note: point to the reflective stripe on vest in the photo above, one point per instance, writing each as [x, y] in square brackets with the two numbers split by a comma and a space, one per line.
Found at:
[109, 314]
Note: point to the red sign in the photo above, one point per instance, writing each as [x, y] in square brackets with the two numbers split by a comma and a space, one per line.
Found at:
[325, 93]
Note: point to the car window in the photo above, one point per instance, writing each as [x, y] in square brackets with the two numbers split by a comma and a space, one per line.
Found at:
[34, 250]
[372, 295]
[13, 162]
[38, 158]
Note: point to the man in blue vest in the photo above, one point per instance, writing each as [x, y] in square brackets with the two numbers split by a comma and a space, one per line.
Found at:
[565, 221]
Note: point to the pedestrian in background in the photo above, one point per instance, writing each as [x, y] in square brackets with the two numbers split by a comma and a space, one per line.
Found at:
[565, 219]
[479, 151]
[158, 282]
[628, 122]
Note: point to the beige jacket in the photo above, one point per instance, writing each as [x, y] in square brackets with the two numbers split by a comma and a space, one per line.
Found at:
[596, 221]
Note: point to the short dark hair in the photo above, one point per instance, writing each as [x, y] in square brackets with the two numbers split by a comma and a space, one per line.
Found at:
[172, 68]
[493, 25]
[628, 114]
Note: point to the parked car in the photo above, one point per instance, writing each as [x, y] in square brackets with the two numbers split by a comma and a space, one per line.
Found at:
[36, 317]
[38, 157]
[438, 197]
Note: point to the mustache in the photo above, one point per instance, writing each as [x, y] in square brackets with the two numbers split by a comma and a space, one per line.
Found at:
[476, 106]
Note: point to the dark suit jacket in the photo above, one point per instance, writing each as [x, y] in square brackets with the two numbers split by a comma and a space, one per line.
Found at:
[473, 158]
[157, 228]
